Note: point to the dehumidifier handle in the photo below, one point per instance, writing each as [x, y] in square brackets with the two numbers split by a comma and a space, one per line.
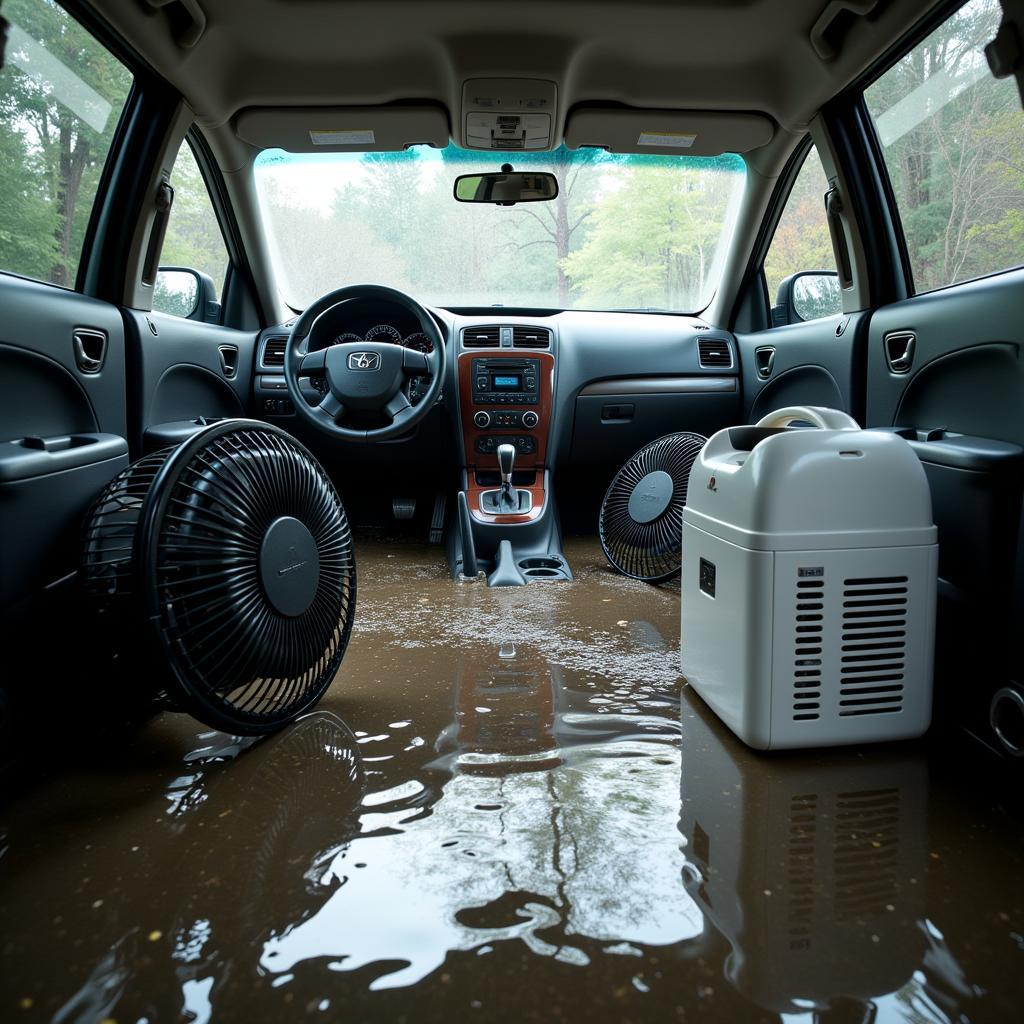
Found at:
[826, 419]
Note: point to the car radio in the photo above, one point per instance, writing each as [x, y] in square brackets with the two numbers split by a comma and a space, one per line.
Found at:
[506, 381]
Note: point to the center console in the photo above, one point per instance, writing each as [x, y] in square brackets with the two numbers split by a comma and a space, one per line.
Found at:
[508, 526]
[506, 398]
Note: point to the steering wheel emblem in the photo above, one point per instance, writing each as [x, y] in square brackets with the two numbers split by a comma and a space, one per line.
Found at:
[364, 361]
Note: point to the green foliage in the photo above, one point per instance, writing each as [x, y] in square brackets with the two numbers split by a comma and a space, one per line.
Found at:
[193, 236]
[957, 170]
[653, 238]
[51, 159]
[394, 221]
[801, 240]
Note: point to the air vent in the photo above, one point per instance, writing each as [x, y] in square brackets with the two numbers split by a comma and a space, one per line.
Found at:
[531, 337]
[810, 604]
[273, 351]
[481, 337]
[873, 652]
[714, 353]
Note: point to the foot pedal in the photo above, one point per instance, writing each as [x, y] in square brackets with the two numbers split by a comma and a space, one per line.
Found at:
[437, 519]
[403, 508]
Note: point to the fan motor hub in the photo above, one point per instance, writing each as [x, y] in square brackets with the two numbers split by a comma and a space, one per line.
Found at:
[289, 566]
[651, 496]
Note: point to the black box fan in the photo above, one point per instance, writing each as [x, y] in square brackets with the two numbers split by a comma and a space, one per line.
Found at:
[224, 571]
[641, 521]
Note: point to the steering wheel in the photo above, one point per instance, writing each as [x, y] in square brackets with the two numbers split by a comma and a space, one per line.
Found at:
[817, 415]
[364, 375]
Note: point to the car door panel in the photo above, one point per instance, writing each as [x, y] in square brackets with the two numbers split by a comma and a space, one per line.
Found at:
[184, 372]
[812, 363]
[62, 428]
[959, 403]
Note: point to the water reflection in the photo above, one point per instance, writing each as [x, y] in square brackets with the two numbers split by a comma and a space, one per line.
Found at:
[555, 828]
[237, 843]
[813, 868]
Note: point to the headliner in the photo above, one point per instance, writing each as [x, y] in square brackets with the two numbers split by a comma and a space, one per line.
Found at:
[732, 55]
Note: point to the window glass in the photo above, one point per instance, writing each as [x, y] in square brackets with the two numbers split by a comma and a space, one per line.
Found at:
[802, 245]
[193, 238]
[953, 141]
[61, 95]
[625, 231]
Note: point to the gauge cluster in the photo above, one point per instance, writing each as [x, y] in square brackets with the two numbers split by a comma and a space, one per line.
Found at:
[386, 334]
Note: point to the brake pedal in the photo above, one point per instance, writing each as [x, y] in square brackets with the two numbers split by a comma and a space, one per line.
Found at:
[403, 508]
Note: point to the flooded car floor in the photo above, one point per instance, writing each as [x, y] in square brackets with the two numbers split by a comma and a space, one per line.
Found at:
[508, 806]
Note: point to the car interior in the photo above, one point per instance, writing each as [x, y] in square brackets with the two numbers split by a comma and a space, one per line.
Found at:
[425, 428]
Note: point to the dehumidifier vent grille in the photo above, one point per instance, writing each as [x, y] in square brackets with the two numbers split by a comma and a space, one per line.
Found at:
[874, 641]
[807, 663]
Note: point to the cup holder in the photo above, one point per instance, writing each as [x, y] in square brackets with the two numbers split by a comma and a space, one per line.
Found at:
[541, 563]
[543, 567]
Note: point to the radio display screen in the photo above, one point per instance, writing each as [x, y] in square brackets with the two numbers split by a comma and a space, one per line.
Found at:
[507, 382]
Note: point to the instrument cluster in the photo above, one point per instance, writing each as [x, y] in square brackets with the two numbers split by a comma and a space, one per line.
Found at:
[386, 334]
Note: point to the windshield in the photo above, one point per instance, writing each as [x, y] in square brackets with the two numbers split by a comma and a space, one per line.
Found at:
[626, 232]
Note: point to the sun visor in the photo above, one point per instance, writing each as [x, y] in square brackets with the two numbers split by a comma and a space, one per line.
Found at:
[668, 132]
[343, 129]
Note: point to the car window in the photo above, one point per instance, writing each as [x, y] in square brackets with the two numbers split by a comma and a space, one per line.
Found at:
[953, 141]
[193, 240]
[61, 96]
[802, 246]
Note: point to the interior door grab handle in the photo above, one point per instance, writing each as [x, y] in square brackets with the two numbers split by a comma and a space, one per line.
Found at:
[764, 359]
[228, 360]
[899, 350]
[90, 349]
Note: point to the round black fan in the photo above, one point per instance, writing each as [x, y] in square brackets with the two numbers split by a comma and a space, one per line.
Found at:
[641, 522]
[231, 557]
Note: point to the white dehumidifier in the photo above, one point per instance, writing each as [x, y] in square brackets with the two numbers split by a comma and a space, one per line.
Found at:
[808, 582]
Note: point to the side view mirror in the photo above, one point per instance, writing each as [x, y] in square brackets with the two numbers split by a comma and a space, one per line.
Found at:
[808, 295]
[187, 293]
[507, 187]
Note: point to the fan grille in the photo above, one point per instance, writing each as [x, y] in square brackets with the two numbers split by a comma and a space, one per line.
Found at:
[183, 530]
[651, 550]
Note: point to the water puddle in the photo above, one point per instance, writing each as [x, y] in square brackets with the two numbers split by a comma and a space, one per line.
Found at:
[508, 821]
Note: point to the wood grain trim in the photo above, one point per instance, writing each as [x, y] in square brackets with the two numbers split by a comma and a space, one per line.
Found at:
[543, 409]
[474, 490]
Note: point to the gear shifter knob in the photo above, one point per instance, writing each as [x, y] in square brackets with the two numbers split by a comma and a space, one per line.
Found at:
[506, 461]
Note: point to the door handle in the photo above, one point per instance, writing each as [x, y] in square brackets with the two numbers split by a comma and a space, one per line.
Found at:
[228, 360]
[899, 350]
[764, 360]
[90, 349]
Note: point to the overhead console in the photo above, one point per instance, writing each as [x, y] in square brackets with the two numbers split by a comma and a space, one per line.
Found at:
[508, 114]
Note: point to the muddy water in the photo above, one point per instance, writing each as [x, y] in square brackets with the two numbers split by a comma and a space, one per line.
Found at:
[505, 809]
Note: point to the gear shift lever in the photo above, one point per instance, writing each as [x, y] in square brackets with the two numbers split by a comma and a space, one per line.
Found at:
[506, 461]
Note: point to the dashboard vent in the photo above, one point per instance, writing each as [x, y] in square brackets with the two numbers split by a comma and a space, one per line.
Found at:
[531, 337]
[273, 351]
[714, 353]
[481, 337]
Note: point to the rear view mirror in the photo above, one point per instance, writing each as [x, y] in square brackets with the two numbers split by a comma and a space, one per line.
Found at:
[181, 291]
[809, 295]
[507, 187]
